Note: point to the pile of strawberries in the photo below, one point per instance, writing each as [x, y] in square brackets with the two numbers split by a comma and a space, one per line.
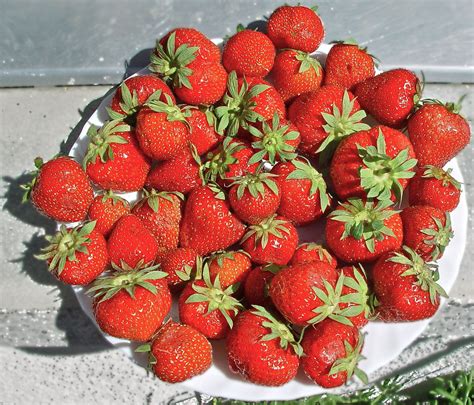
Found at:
[231, 151]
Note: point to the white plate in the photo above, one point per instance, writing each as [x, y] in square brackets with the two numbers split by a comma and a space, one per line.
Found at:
[384, 342]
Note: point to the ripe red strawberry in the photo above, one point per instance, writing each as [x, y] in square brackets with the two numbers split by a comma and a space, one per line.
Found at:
[390, 96]
[406, 287]
[374, 163]
[248, 53]
[332, 352]
[202, 133]
[232, 267]
[362, 232]
[273, 240]
[77, 255]
[132, 302]
[438, 132]
[435, 187]
[180, 265]
[304, 196]
[160, 213]
[426, 230]
[348, 64]
[60, 189]
[178, 352]
[207, 223]
[262, 349]
[295, 73]
[257, 284]
[254, 197]
[312, 252]
[114, 160]
[296, 27]
[131, 243]
[106, 209]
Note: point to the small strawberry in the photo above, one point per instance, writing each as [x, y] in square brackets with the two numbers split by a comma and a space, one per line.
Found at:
[435, 187]
[114, 160]
[60, 189]
[312, 252]
[295, 73]
[296, 27]
[390, 96]
[77, 255]
[132, 302]
[426, 230]
[106, 209]
[180, 265]
[332, 352]
[257, 284]
[438, 132]
[130, 242]
[232, 267]
[248, 53]
[262, 349]
[273, 240]
[362, 232]
[304, 196]
[406, 287]
[202, 133]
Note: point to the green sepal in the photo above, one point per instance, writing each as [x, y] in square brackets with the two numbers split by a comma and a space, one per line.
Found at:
[28, 187]
[168, 107]
[322, 252]
[440, 237]
[152, 198]
[116, 199]
[217, 163]
[255, 184]
[440, 174]
[263, 230]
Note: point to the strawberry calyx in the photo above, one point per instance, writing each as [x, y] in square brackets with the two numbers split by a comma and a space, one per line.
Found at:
[172, 111]
[153, 197]
[381, 174]
[263, 230]
[348, 364]
[64, 244]
[217, 164]
[307, 62]
[362, 300]
[439, 238]
[440, 174]
[220, 255]
[114, 198]
[277, 330]
[452, 106]
[365, 221]
[28, 187]
[272, 142]
[255, 184]
[323, 254]
[187, 271]
[426, 274]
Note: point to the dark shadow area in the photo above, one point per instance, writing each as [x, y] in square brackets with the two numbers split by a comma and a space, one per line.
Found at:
[139, 61]
[258, 25]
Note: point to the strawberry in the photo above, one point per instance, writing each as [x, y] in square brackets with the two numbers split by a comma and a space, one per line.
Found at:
[132, 302]
[231, 267]
[348, 64]
[296, 27]
[426, 230]
[273, 240]
[304, 196]
[390, 96]
[207, 307]
[406, 287]
[435, 187]
[257, 284]
[248, 53]
[295, 73]
[438, 132]
[362, 232]
[202, 133]
[254, 197]
[332, 352]
[130, 242]
[77, 255]
[262, 349]
[59, 189]
[162, 130]
[179, 264]
[106, 209]
[374, 163]
[114, 160]
[160, 213]
[178, 352]
[207, 223]
[312, 252]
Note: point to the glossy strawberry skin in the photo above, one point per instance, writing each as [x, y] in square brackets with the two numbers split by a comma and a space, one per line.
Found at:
[389, 96]
[256, 287]
[202, 134]
[292, 292]
[233, 270]
[106, 213]
[437, 134]
[62, 190]
[176, 260]
[303, 254]
[295, 27]
[127, 170]
[256, 360]
[181, 352]
[360, 320]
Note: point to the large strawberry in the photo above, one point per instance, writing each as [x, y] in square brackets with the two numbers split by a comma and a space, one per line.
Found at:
[438, 132]
[359, 231]
[202, 132]
[390, 96]
[262, 349]
[232, 267]
[106, 209]
[257, 284]
[376, 164]
[207, 223]
[406, 287]
[114, 160]
[131, 303]
[60, 189]
[312, 252]
[180, 265]
[76, 255]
